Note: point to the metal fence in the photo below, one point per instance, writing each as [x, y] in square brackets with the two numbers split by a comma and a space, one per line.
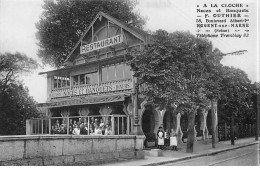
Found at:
[240, 130]
[83, 125]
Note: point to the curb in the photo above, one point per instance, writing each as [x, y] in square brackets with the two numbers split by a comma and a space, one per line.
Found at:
[200, 155]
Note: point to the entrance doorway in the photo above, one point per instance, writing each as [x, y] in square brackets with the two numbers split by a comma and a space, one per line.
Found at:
[148, 121]
[168, 121]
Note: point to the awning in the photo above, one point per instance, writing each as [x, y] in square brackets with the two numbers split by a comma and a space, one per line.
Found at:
[84, 101]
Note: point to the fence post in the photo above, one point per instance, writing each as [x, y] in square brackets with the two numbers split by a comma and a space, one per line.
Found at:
[250, 130]
[225, 131]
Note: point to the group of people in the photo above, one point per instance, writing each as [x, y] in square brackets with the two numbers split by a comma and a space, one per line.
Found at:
[95, 126]
[164, 137]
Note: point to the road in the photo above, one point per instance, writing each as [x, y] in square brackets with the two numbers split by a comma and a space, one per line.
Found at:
[246, 156]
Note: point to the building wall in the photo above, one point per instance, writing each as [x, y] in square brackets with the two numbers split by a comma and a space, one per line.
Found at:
[68, 150]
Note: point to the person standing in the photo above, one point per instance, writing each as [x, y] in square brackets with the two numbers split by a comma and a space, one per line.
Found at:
[173, 139]
[76, 131]
[160, 135]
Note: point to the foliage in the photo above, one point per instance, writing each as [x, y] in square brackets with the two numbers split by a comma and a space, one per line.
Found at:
[18, 106]
[176, 69]
[12, 65]
[234, 95]
[15, 103]
[64, 21]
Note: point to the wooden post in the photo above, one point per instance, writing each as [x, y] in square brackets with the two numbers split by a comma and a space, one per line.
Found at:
[113, 125]
[128, 128]
[42, 126]
[38, 131]
[49, 126]
[88, 126]
[68, 125]
[123, 126]
[118, 119]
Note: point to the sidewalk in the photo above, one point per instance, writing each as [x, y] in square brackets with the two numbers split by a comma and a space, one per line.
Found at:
[200, 149]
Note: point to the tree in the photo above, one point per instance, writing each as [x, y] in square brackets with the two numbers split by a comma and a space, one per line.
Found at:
[177, 68]
[64, 21]
[235, 91]
[15, 103]
[18, 107]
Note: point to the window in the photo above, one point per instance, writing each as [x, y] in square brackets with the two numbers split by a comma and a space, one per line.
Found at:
[127, 72]
[75, 80]
[81, 79]
[104, 74]
[116, 72]
[90, 78]
[61, 81]
[119, 72]
[111, 73]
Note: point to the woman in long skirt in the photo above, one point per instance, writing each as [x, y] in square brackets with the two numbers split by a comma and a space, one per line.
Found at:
[173, 139]
[160, 135]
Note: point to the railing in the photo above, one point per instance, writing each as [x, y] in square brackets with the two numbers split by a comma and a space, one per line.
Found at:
[83, 125]
[240, 131]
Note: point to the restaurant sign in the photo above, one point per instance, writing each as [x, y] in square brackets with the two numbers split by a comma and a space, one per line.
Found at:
[101, 44]
[95, 89]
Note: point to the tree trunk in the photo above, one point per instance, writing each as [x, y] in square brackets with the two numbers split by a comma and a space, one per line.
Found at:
[214, 122]
[191, 122]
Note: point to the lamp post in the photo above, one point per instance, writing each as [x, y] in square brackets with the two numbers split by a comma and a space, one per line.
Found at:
[257, 102]
[232, 129]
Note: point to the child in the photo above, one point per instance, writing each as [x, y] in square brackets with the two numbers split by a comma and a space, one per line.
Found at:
[167, 138]
[108, 131]
[160, 135]
[173, 140]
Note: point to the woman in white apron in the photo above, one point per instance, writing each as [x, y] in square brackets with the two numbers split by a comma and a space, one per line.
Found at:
[173, 139]
[160, 135]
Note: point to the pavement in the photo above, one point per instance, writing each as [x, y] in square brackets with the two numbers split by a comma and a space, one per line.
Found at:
[201, 148]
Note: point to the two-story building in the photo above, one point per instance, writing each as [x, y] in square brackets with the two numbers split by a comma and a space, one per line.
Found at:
[97, 82]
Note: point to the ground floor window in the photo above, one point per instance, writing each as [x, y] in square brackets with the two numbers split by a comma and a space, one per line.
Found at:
[82, 125]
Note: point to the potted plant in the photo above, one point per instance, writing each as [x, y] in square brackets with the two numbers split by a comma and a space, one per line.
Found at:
[150, 139]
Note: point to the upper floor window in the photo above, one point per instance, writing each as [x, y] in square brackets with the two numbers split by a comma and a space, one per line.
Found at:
[89, 78]
[61, 81]
[115, 72]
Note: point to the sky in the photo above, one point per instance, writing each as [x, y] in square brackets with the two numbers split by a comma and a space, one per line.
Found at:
[17, 33]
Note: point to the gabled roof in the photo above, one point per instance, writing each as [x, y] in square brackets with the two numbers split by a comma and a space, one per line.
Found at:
[136, 32]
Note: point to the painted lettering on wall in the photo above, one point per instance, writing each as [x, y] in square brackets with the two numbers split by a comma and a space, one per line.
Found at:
[93, 89]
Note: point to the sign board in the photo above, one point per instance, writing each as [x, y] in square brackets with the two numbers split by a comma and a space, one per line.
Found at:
[101, 44]
[93, 89]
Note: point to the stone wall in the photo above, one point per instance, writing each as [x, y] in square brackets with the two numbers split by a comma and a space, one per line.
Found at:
[68, 149]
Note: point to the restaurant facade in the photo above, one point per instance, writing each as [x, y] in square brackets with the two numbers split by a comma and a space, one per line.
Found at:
[97, 82]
